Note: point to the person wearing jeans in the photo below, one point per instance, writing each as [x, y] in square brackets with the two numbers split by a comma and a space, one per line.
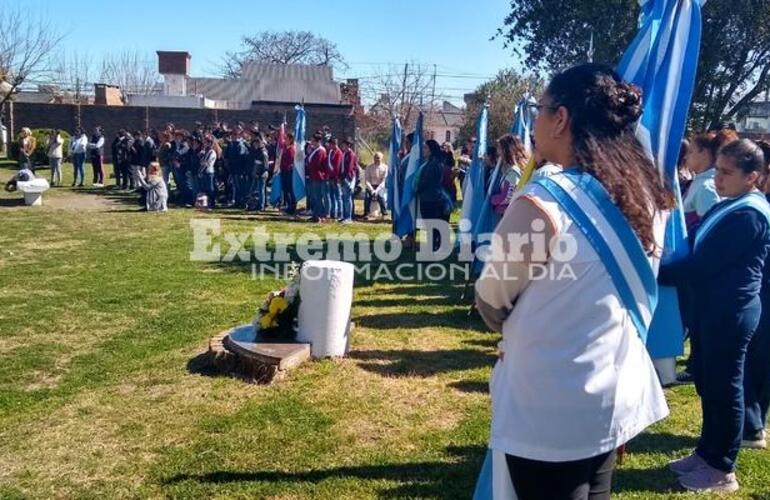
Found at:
[287, 174]
[206, 175]
[55, 155]
[334, 159]
[78, 147]
[723, 275]
[96, 146]
[317, 168]
[258, 164]
[347, 180]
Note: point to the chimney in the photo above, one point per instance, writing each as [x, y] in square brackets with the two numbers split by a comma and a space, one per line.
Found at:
[175, 68]
[107, 95]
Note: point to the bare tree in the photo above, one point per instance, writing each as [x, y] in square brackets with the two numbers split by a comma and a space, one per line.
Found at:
[282, 47]
[132, 71]
[76, 74]
[396, 91]
[27, 44]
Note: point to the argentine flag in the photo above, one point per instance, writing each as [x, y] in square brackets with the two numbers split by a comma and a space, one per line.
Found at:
[474, 194]
[523, 121]
[394, 162]
[406, 222]
[299, 158]
[663, 60]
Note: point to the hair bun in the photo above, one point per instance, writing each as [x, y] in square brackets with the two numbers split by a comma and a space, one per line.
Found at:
[624, 104]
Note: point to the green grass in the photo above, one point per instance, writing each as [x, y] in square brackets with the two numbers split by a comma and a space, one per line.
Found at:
[101, 310]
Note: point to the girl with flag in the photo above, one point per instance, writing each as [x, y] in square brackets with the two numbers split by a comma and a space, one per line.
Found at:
[724, 277]
[574, 380]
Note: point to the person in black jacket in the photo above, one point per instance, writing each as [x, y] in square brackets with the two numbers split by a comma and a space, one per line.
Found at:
[115, 150]
[257, 172]
[434, 201]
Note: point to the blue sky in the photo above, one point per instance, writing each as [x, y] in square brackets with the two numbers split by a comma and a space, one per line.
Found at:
[452, 34]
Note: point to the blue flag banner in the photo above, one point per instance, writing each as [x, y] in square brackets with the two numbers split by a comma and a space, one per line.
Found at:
[406, 222]
[523, 121]
[474, 194]
[394, 162]
[663, 60]
[299, 158]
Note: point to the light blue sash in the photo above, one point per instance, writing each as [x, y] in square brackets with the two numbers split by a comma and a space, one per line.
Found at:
[754, 199]
[636, 284]
[615, 242]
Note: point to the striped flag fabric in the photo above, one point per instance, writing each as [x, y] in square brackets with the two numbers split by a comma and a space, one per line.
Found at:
[474, 194]
[663, 60]
[394, 162]
[300, 122]
[406, 222]
[523, 121]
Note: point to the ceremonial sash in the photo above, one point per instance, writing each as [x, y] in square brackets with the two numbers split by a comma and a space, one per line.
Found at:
[611, 236]
[754, 199]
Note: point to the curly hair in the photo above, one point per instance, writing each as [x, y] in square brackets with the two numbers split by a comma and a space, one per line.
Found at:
[512, 150]
[603, 110]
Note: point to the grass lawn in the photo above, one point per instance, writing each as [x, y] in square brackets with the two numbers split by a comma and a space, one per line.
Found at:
[101, 310]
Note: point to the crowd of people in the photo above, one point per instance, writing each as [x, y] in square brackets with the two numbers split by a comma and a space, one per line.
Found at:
[218, 165]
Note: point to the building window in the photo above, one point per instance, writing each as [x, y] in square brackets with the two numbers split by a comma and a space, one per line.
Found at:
[448, 136]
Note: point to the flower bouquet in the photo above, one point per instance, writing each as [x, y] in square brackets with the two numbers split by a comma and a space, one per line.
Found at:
[277, 316]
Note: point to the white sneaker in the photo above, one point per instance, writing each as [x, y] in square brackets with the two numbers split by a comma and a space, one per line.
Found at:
[758, 442]
[710, 480]
[687, 464]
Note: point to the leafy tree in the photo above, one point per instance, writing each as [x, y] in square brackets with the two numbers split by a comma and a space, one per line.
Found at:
[502, 93]
[735, 49]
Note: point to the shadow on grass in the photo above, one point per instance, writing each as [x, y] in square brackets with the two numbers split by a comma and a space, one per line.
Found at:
[12, 202]
[456, 319]
[455, 478]
[471, 386]
[403, 363]
[641, 481]
[659, 480]
[662, 442]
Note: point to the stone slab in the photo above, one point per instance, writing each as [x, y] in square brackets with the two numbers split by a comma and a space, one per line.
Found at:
[244, 342]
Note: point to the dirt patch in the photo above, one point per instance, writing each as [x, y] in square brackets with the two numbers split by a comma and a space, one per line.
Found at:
[64, 201]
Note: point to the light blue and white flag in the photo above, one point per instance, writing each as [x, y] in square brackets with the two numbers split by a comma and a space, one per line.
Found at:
[394, 162]
[300, 121]
[663, 60]
[406, 222]
[474, 194]
[524, 120]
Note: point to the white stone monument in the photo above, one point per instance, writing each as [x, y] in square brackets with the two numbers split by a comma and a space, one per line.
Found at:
[326, 293]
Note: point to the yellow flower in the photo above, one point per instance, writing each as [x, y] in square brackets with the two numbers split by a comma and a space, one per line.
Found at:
[266, 321]
[277, 306]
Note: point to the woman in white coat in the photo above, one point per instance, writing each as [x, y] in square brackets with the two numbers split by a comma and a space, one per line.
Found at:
[574, 381]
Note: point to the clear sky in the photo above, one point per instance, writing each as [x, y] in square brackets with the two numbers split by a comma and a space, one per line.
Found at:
[452, 34]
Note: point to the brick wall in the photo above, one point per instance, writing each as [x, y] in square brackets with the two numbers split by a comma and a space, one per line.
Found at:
[112, 118]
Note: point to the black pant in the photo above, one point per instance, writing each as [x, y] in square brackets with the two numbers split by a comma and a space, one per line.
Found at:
[721, 342]
[287, 187]
[586, 479]
[98, 166]
[434, 210]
